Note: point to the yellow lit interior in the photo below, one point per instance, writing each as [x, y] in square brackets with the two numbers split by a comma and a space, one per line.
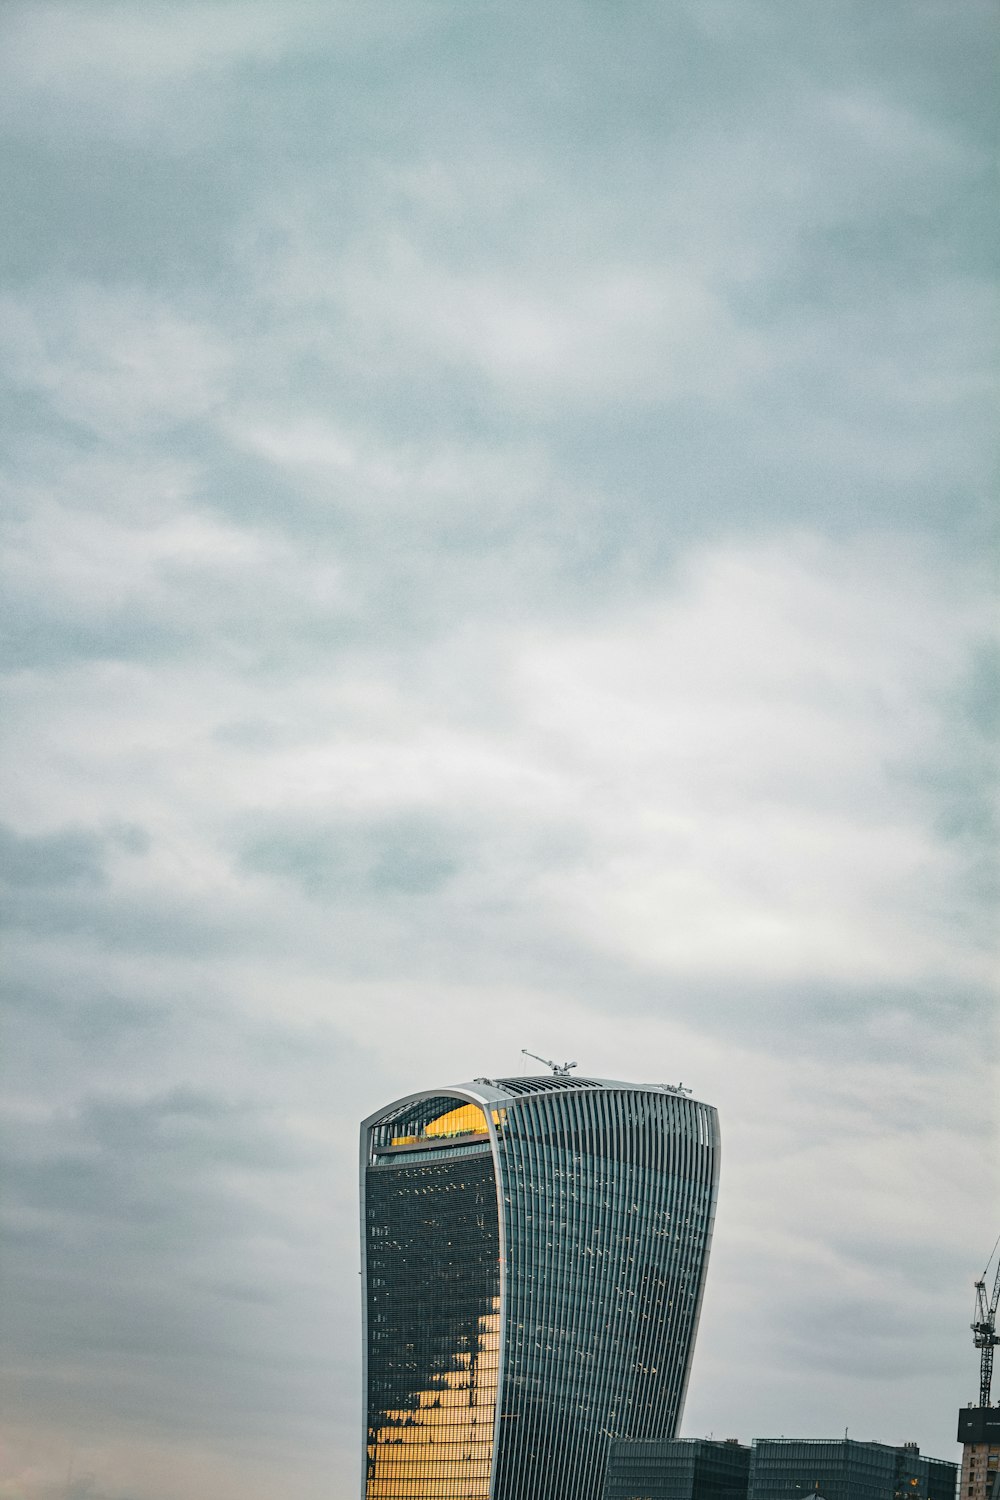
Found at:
[467, 1119]
[441, 1449]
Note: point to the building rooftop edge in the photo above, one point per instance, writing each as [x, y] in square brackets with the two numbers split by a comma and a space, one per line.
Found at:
[558, 1083]
[510, 1088]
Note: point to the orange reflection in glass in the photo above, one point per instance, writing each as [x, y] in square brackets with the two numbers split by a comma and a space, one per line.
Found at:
[467, 1119]
[442, 1447]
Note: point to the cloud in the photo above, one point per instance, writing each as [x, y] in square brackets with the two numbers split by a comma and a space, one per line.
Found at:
[720, 786]
[116, 74]
[119, 363]
[611, 333]
[789, 751]
[64, 858]
[403, 855]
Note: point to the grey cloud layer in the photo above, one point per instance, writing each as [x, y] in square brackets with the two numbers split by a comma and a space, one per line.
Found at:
[495, 555]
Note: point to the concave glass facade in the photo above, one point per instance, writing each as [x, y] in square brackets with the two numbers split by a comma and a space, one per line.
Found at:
[534, 1258]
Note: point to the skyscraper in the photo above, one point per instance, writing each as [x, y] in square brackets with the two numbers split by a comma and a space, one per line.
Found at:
[534, 1254]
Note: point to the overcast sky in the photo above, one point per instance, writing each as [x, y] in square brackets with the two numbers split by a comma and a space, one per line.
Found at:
[497, 555]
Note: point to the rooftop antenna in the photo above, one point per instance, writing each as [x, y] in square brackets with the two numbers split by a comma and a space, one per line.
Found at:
[561, 1070]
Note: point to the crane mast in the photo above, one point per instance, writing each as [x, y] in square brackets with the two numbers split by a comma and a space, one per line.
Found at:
[979, 1426]
[984, 1331]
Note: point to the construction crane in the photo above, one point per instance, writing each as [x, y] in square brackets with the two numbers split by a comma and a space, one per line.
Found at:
[561, 1070]
[984, 1329]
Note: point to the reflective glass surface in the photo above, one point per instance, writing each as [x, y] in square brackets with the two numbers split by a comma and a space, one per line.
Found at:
[609, 1197]
[691, 1469]
[433, 1327]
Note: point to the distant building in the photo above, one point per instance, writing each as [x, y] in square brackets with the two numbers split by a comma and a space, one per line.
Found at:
[979, 1431]
[686, 1469]
[843, 1469]
[777, 1469]
[534, 1255]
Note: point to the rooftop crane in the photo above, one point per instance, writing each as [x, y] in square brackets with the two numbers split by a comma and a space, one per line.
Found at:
[561, 1070]
[984, 1329]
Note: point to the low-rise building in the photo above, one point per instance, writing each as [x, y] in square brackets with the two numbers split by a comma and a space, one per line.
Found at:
[685, 1469]
[779, 1469]
[844, 1469]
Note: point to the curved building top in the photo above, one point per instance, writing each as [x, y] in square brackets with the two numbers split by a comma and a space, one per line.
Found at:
[462, 1113]
[552, 1082]
[502, 1090]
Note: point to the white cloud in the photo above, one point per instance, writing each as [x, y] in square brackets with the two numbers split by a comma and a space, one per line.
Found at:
[161, 74]
[735, 753]
[356, 471]
[560, 332]
[63, 47]
[733, 766]
[121, 362]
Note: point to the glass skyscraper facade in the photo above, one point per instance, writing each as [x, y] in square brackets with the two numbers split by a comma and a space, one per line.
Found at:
[534, 1259]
